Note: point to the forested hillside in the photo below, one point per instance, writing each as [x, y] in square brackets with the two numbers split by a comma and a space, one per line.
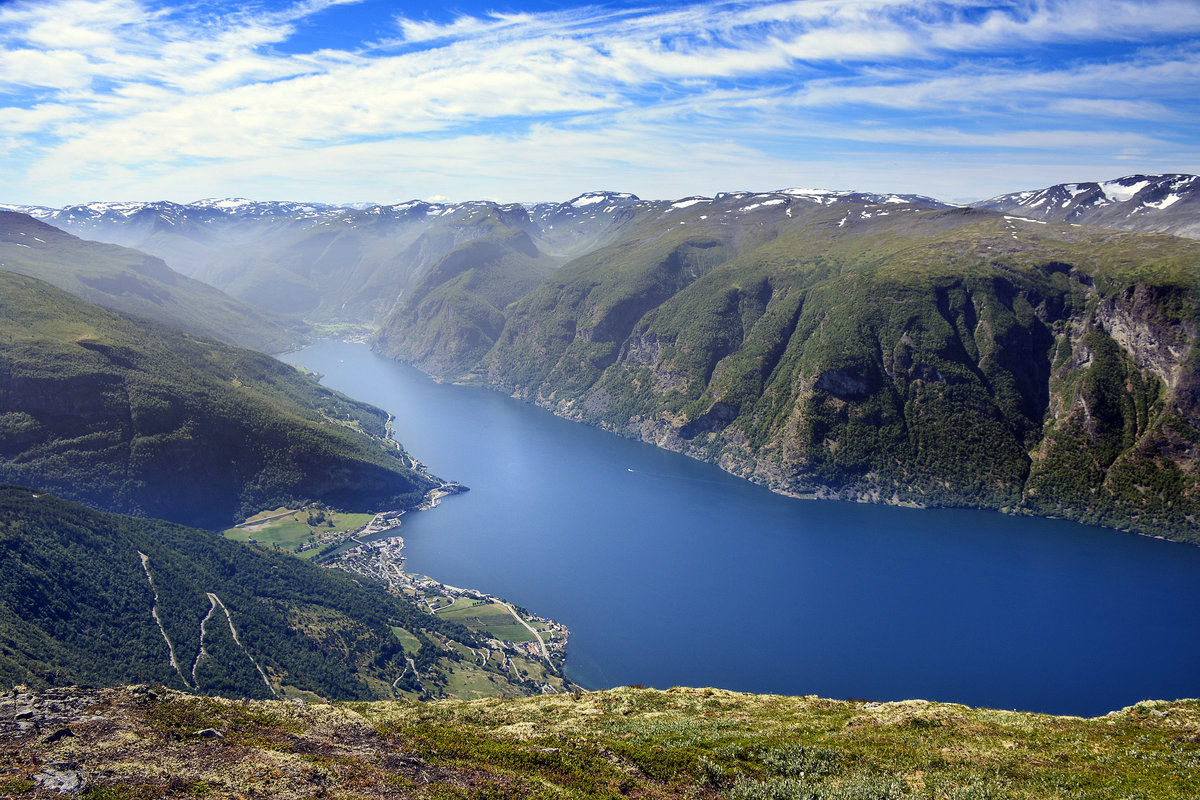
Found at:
[128, 415]
[90, 597]
[135, 283]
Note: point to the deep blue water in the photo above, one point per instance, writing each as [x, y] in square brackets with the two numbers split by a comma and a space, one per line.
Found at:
[670, 572]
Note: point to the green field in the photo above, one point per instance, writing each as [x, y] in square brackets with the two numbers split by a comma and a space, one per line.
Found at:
[490, 619]
[287, 529]
[410, 643]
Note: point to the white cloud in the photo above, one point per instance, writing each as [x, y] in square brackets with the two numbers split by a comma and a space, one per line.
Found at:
[59, 69]
[1002, 88]
[36, 118]
[114, 88]
[1118, 109]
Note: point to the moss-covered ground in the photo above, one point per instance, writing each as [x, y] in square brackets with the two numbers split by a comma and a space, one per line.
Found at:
[627, 742]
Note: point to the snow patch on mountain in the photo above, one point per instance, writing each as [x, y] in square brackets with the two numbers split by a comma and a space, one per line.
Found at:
[1120, 192]
[690, 201]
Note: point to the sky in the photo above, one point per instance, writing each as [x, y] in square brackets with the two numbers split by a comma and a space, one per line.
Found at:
[381, 101]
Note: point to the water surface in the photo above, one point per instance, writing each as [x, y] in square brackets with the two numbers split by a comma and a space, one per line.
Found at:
[671, 572]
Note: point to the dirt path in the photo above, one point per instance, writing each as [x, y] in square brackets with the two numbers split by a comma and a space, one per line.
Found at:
[409, 665]
[203, 633]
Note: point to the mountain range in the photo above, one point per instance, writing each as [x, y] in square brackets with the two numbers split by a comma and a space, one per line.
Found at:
[1147, 203]
[892, 348]
[350, 264]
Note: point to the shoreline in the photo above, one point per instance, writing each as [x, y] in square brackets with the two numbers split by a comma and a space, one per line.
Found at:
[382, 560]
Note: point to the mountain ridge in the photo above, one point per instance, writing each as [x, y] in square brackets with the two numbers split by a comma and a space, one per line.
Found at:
[779, 357]
[1167, 203]
[132, 416]
[136, 283]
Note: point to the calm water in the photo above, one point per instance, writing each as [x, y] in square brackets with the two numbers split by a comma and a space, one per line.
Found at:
[670, 572]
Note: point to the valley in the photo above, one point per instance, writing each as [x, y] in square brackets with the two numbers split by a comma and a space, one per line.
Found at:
[831, 344]
[754, 400]
[931, 363]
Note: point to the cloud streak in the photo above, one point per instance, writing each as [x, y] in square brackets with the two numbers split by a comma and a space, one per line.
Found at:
[133, 95]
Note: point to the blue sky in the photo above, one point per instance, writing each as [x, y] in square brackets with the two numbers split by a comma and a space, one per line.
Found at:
[345, 101]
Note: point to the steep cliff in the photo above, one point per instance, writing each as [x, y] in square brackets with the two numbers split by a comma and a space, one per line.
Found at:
[889, 354]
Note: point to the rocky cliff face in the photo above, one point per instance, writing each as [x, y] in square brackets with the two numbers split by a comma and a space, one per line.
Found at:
[952, 358]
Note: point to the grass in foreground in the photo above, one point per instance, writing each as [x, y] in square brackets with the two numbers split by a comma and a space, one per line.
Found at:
[697, 743]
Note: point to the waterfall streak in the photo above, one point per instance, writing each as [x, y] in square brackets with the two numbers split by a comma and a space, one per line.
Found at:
[233, 631]
[154, 613]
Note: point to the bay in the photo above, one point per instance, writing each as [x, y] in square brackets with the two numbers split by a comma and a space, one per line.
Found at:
[671, 572]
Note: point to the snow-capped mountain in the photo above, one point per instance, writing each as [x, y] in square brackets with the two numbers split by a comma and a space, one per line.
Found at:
[1150, 203]
[586, 205]
[37, 212]
[240, 206]
[828, 197]
[295, 257]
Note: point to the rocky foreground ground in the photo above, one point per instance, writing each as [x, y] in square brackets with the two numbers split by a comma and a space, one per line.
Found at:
[142, 742]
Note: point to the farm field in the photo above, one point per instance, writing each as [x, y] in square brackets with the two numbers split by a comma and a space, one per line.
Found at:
[300, 531]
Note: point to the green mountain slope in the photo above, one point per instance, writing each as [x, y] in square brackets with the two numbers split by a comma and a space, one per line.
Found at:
[128, 415]
[453, 316]
[889, 354]
[135, 283]
[90, 597]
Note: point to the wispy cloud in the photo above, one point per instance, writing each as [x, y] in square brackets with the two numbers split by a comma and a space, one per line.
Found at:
[138, 94]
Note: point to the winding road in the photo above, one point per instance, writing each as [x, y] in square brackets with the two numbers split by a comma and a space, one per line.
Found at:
[538, 636]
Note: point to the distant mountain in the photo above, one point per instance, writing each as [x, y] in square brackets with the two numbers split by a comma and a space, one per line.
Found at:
[357, 265]
[327, 263]
[127, 415]
[135, 283]
[454, 314]
[1149, 203]
[96, 598]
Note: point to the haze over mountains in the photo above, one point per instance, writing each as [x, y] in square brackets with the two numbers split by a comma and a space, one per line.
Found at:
[349, 264]
[133, 282]
[883, 347]
[128, 415]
